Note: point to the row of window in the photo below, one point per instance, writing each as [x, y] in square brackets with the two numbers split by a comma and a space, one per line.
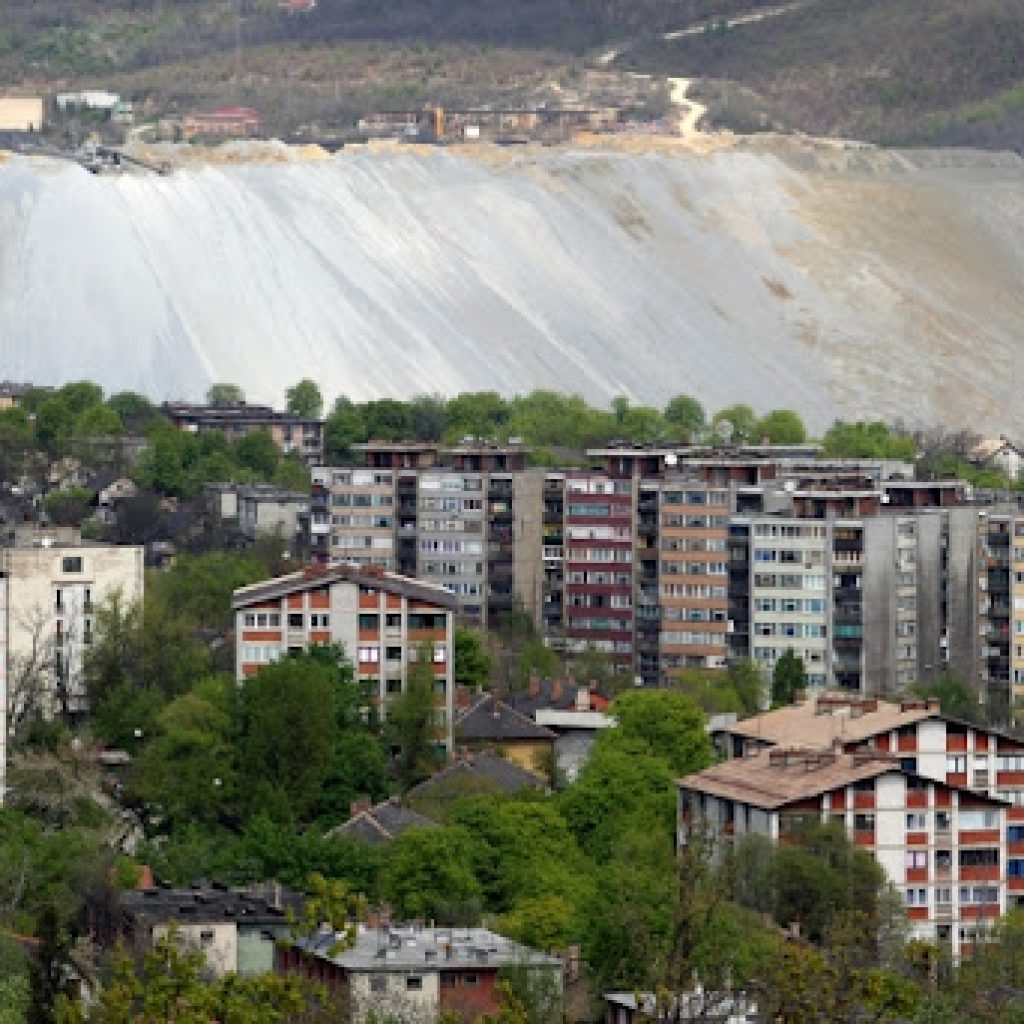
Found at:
[362, 478]
[620, 579]
[701, 590]
[599, 555]
[789, 581]
[452, 547]
[600, 486]
[693, 522]
[792, 630]
[452, 504]
[671, 636]
[694, 568]
[362, 501]
[598, 533]
[789, 530]
[451, 483]
[370, 654]
[366, 522]
[969, 894]
[692, 544]
[350, 542]
[796, 605]
[696, 498]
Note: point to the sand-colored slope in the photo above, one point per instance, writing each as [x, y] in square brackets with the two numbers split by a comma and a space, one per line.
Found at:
[837, 280]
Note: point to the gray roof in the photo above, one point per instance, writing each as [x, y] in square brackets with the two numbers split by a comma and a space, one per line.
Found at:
[346, 572]
[408, 947]
[492, 719]
[382, 823]
[206, 904]
[488, 767]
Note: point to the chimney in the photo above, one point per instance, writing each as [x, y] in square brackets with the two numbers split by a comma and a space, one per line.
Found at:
[583, 698]
[556, 691]
[359, 806]
[533, 686]
[934, 704]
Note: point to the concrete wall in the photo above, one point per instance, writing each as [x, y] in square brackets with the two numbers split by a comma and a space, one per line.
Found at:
[385, 995]
[879, 605]
[219, 943]
[528, 531]
[21, 114]
[962, 594]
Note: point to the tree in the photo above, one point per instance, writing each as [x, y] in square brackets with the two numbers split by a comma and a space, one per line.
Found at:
[80, 395]
[344, 427]
[47, 968]
[782, 426]
[135, 411]
[685, 418]
[304, 399]
[471, 664]
[874, 440]
[257, 451]
[97, 421]
[742, 421]
[387, 420]
[225, 394]
[956, 698]
[476, 414]
[410, 722]
[427, 417]
[69, 507]
[427, 874]
[668, 724]
[286, 751]
[788, 678]
[170, 985]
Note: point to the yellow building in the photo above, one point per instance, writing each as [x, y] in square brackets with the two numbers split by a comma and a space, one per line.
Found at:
[490, 724]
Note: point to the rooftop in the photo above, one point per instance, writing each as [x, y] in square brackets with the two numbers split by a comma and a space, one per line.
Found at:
[209, 904]
[818, 721]
[381, 823]
[778, 777]
[784, 775]
[319, 576]
[487, 768]
[239, 412]
[405, 947]
[491, 719]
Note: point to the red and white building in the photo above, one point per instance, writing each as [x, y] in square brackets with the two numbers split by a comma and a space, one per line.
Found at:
[947, 850]
[226, 122]
[383, 621]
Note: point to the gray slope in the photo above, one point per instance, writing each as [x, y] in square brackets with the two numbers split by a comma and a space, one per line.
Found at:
[779, 274]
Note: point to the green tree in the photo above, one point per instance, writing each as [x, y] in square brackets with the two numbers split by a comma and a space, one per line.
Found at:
[224, 394]
[97, 421]
[17, 446]
[47, 968]
[476, 414]
[188, 768]
[287, 751]
[747, 683]
[669, 726]
[788, 677]
[742, 421]
[68, 507]
[956, 698]
[53, 425]
[386, 419]
[410, 722]
[304, 399]
[135, 411]
[80, 395]
[535, 657]
[258, 452]
[427, 874]
[471, 663]
[860, 440]
[344, 427]
[685, 418]
[427, 417]
[782, 426]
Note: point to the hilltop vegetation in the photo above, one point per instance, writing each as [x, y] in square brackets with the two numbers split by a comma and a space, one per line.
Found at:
[896, 72]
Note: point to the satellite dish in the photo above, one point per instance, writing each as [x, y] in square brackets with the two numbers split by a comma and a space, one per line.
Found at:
[724, 430]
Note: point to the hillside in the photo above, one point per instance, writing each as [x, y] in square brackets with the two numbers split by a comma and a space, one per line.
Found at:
[898, 72]
[838, 281]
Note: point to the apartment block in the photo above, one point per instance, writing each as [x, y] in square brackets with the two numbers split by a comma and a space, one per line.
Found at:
[50, 586]
[290, 432]
[384, 622]
[948, 850]
[467, 518]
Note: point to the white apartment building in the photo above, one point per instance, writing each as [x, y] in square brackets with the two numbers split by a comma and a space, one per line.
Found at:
[48, 595]
[946, 849]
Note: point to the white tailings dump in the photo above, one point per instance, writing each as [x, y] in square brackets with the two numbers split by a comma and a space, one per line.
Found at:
[780, 273]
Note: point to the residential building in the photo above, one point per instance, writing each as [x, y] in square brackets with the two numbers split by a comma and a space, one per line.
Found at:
[261, 510]
[412, 974]
[381, 823]
[223, 123]
[21, 114]
[467, 518]
[1001, 454]
[575, 714]
[236, 929]
[87, 99]
[52, 584]
[470, 774]
[490, 724]
[302, 435]
[12, 394]
[697, 1005]
[947, 850]
[383, 621]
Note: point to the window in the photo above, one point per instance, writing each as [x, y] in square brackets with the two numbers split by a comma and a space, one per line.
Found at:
[393, 621]
[979, 858]
[440, 655]
[916, 859]
[369, 654]
[916, 897]
[369, 621]
[413, 983]
[973, 820]
[979, 894]
[864, 822]
[469, 979]
[1015, 868]
[448, 980]
[295, 620]
[956, 765]
[319, 621]
[378, 983]
[206, 936]
[394, 686]
[72, 564]
[917, 822]
[1015, 833]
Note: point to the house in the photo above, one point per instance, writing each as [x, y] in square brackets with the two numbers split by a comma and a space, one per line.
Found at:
[289, 431]
[237, 929]
[223, 123]
[641, 1007]
[948, 850]
[12, 394]
[384, 622]
[21, 114]
[411, 974]
[574, 713]
[999, 453]
[490, 724]
[110, 490]
[381, 823]
[259, 510]
[479, 774]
